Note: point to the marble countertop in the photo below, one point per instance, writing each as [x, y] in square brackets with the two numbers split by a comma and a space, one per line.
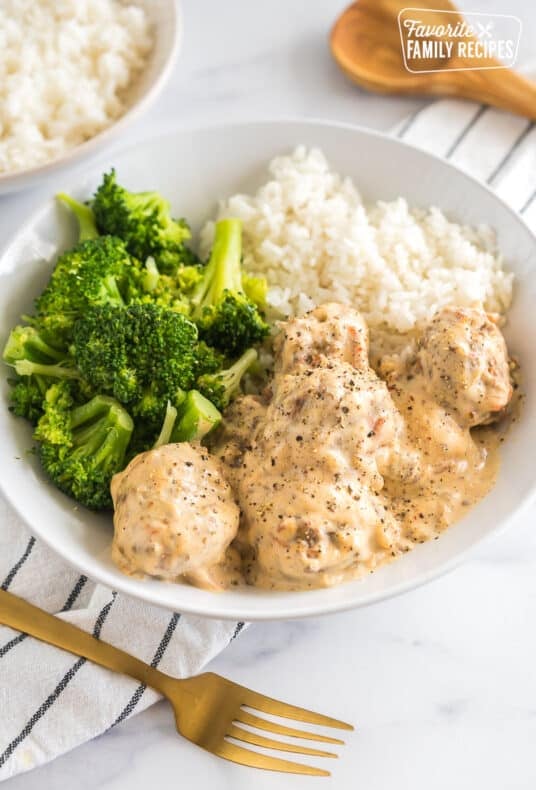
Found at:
[440, 683]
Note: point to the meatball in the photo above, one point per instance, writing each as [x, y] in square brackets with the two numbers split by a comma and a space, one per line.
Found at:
[329, 413]
[310, 476]
[313, 528]
[463, 357]
[175, 514]
[329, 332]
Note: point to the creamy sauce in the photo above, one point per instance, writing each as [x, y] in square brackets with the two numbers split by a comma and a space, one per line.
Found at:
[339, 470]
[357, 450]
[457, 467]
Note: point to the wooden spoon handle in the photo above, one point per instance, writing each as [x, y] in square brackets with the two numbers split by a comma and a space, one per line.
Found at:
[502, 88]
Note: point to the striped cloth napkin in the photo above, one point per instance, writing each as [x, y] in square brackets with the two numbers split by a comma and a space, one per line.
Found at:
[492, 145]
[51, 702]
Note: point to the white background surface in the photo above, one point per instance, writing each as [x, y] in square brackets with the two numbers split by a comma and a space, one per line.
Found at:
[441, 682]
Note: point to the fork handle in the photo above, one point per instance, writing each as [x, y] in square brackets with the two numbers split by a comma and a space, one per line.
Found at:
[24, 616]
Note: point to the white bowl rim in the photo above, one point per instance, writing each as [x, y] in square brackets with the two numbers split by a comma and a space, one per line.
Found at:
[90, 147]
[243, 613]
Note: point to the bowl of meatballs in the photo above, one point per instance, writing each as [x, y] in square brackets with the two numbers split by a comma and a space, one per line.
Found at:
[374, 431]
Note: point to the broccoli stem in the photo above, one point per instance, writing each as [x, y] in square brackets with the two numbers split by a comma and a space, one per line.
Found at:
[98, 409]
[101, 428]
[113, 447]
[104, 444]
[25, 367]
[92, 410]
[231, 377]
[25, 342]
[223, 270]
[110, 284]
[151, 275]
[88, 439]
[167, 426]
[198, 418]
[220, 387]
[84, 215]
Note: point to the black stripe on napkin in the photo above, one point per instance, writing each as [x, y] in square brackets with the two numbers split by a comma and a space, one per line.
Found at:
[466, 129]
[409, 123]
[75, 592]
[157, 658]
[18, 565]
[69, 603]
[12, 643]
[239, 627]
[528, 202]
[511, 151]
[62, 685]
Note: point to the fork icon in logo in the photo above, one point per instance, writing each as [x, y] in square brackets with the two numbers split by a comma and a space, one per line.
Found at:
[485, 31]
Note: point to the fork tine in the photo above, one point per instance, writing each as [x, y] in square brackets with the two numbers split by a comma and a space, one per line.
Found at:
[239, 734]
[252, 699]
[229, 751]
[264, 724]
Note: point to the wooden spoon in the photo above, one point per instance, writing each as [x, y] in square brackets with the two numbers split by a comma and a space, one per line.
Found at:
[365, 42]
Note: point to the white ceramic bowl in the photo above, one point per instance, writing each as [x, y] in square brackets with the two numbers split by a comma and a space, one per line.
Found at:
[166, 18]
[194, 168]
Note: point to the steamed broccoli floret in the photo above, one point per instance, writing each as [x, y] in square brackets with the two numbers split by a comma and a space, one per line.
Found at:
[256, 288]
[144, 223]
[55, 425]
[103, 354]
[87, 228]
[82, 447]
[180, 282]
[197, 417]
[92, 273]
[144, 355]
[220, 387]
[189, 276]
[208, 359]
[151, 406]
[150, 286]
[37, 364]
[26, 397]
[26, 342]
[226, 316]
[27, 394]
[54, 328]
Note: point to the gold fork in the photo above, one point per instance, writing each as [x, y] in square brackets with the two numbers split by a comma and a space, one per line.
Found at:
[208, 709]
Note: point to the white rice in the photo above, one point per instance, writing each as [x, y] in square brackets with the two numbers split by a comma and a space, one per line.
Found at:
[65, 66]
[309, 233]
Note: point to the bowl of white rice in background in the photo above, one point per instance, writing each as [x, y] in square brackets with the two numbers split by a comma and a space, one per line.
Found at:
[73, 74]
[330, 212]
